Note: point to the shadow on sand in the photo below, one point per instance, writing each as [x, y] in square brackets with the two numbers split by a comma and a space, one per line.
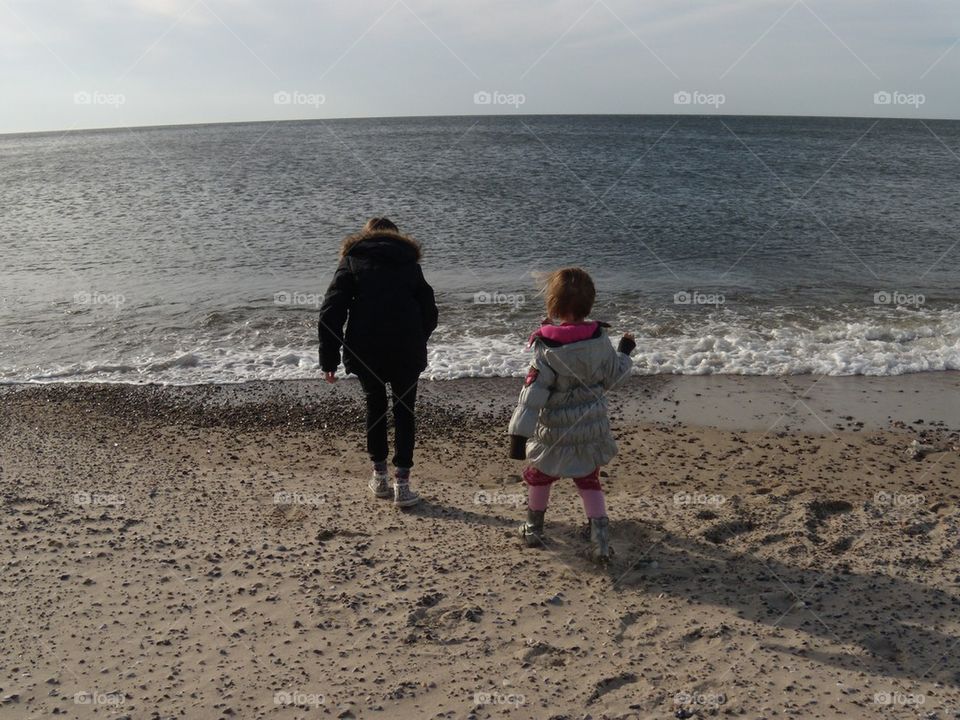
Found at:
[874, 623]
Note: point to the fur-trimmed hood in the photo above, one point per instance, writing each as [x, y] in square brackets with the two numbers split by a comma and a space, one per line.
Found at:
[400, 244]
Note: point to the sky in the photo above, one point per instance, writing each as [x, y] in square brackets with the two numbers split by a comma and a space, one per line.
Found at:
[72, 64]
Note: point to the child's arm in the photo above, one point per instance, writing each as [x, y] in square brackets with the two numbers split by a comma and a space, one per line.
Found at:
[535, 393]
[333, 314]
[619, 362]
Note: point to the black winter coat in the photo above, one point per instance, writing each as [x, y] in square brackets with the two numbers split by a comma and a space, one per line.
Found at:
[388, 306]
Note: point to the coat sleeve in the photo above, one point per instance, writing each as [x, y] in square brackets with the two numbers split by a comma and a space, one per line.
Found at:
[333, 315]
[618, 365]
[536, 391]
[428, 305]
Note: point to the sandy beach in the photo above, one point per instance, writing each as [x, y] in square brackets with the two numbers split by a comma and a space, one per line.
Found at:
[213, 552]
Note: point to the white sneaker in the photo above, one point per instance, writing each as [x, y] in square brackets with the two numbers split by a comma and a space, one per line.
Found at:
[403, 496]
[380, 485]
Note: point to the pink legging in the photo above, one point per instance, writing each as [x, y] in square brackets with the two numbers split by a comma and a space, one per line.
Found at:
[588, 487]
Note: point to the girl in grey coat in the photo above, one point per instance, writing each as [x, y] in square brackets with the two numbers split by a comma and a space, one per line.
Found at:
[560, 425]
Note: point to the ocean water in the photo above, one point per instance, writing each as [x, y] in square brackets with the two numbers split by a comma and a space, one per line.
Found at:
[727, 245]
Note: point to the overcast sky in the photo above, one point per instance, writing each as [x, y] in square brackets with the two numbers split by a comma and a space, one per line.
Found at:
[105, 63]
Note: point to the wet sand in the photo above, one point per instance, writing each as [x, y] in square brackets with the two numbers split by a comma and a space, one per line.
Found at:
[209, 552]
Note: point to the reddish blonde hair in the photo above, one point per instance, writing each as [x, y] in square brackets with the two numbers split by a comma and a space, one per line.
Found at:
[569, 293]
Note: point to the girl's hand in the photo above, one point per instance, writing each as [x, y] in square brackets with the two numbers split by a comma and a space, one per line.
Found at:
[330, 377]
[627, 343]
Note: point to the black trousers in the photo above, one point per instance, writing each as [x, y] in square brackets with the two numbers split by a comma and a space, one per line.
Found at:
[403, 389]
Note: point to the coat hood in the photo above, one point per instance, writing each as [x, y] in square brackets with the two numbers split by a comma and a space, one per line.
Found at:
[555, 335]
[583, 360]
[383, 244]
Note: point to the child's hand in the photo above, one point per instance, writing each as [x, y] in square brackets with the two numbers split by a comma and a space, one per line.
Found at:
[330, 377]
[627, 343]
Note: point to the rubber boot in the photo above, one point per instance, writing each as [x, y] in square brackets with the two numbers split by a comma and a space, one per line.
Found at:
[531, 532]
[600, 540]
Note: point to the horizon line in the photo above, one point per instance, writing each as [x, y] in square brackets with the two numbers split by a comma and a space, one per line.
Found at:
[490, 115]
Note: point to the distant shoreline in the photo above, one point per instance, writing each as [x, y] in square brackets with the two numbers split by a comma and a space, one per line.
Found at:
[795, 403]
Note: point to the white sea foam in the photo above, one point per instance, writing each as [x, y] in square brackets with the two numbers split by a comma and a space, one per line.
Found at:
[878, 346]
[733, 353]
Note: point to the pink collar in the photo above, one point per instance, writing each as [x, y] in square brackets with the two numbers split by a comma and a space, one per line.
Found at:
[566, 333]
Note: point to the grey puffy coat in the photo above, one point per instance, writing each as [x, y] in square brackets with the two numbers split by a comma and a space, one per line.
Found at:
[563, 411]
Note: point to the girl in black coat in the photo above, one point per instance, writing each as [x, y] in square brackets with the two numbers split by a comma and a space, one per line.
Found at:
[380, 293]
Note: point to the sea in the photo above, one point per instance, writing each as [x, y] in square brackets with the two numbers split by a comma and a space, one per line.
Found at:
[733, 245]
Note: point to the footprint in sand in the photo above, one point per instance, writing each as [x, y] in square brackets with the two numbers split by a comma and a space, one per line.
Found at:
[724, 531]
[823, 509]
[286, 516]
[609, 684]
[543, 654]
